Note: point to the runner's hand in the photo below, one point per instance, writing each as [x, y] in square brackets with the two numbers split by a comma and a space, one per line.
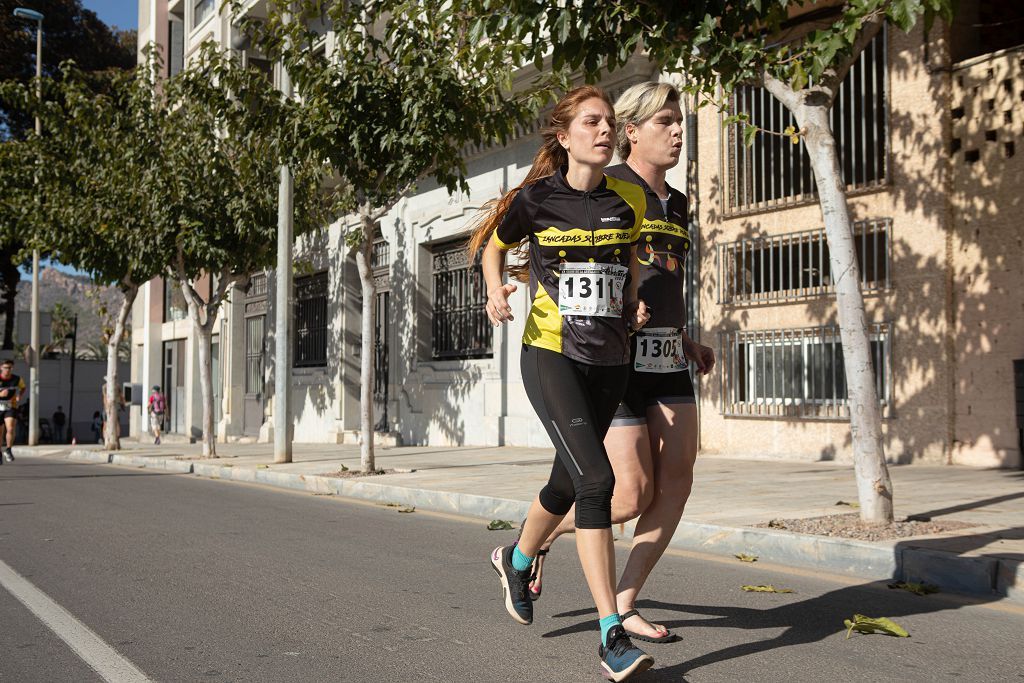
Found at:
[498, 310]
[637, 315]
[703, 356]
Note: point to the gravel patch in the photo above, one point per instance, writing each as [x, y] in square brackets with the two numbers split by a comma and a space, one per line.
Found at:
[353, 474]
[850, 526]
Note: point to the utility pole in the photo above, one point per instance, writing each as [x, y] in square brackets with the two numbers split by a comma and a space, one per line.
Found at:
[33, 354]
[283, 299]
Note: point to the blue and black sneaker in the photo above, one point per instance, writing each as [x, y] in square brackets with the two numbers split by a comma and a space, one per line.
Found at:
[515, 584]
[621, 659]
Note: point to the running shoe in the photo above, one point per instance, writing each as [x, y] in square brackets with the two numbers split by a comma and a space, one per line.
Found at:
[514, 585]
[9, 455]
[621, 659]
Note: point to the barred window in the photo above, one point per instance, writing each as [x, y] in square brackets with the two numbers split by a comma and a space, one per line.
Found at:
[796, 373]
[311, 321]
[774, 172]
[797, 266]
[460, 327]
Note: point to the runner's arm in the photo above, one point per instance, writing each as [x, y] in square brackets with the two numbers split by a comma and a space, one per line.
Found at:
[493, 264]
[703, 356]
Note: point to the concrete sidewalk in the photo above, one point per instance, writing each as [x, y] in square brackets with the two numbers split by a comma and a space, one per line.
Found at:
[729, 498]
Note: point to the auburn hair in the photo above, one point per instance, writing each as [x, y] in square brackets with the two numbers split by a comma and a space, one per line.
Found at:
[549, 158]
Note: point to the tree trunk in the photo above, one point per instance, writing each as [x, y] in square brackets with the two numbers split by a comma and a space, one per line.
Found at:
[204, 333]
[9, 285]
[874, 487]
[364, 261]
[197, 310]
[111, 397]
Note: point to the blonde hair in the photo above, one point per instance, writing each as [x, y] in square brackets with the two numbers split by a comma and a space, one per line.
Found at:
[550, 157]
[636, 105]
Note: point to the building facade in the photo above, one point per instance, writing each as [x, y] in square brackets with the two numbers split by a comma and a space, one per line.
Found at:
[927, 127]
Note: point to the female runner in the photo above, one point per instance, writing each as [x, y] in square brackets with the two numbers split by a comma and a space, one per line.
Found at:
[577, 231]
[653, 437]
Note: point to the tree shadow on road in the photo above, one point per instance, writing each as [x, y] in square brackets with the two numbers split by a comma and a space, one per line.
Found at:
[804, 621]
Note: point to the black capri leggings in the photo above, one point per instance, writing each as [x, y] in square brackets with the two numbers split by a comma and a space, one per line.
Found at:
[576, 403]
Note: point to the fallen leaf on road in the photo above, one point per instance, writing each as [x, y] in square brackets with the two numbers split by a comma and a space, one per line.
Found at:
[868, 625]
[409, 509]
[743, 557]
[499, 525]
[766, 589]
[776, 524]
[847, 504]
[262, 467]
[343, 468]
[915, 588]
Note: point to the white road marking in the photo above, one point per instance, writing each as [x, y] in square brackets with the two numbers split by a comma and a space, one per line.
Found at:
[103, 659]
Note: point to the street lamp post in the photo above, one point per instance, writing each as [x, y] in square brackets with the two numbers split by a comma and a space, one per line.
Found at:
[33, 356]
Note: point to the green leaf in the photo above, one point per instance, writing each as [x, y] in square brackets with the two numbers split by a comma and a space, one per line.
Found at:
[768, 588]
[406, 510]
[750, 134]
[869, 625]
[915, 588]
[499, 525]
[844, 502]
[744, 557]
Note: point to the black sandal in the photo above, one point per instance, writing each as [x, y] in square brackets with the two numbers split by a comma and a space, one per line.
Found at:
[669, 637]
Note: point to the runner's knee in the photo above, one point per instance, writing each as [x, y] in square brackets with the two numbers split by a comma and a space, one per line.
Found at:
[594, 500]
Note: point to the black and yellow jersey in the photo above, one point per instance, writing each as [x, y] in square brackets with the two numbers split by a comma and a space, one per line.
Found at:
[662, 249]
[564, 225]
[11, 389]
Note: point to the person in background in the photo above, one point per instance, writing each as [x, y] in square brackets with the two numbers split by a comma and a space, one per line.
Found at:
[12, 388]
[97, 427]
[60, 421]
[157, 408]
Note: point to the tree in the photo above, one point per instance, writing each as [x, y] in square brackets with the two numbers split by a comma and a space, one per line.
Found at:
[224, 134]
[97, 172]
[798, 50]
[70, 32]
[18, 219]
[408, 86]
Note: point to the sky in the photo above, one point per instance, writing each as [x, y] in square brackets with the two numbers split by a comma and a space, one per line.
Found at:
[120, 13]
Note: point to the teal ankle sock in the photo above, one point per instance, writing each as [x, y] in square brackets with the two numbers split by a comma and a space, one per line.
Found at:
[520, 562]
[606, 625]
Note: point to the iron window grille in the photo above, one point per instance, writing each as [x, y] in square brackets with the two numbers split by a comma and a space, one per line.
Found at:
[796, 372]
[796, 265]
[461, 329]
[773, 172]
[311, 321]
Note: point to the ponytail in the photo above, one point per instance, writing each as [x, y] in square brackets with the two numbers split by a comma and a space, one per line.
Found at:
[549, 158]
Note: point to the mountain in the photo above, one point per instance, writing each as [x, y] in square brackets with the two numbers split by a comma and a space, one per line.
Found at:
[76, 293]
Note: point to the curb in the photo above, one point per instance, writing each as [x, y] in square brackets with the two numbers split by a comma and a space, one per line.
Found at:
[1001, 578]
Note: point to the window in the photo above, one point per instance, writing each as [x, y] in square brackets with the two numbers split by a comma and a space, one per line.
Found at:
[774, 172]
[255, 336]
[175, 306]
[311, 321]
[176, 46]
[796, 373]
[201, 10]
[460, 326]
[796, 265]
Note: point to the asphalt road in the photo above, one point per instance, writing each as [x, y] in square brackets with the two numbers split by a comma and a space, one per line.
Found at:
[197, 580]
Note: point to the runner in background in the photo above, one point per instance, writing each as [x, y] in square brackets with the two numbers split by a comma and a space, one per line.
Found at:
[12, 389]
